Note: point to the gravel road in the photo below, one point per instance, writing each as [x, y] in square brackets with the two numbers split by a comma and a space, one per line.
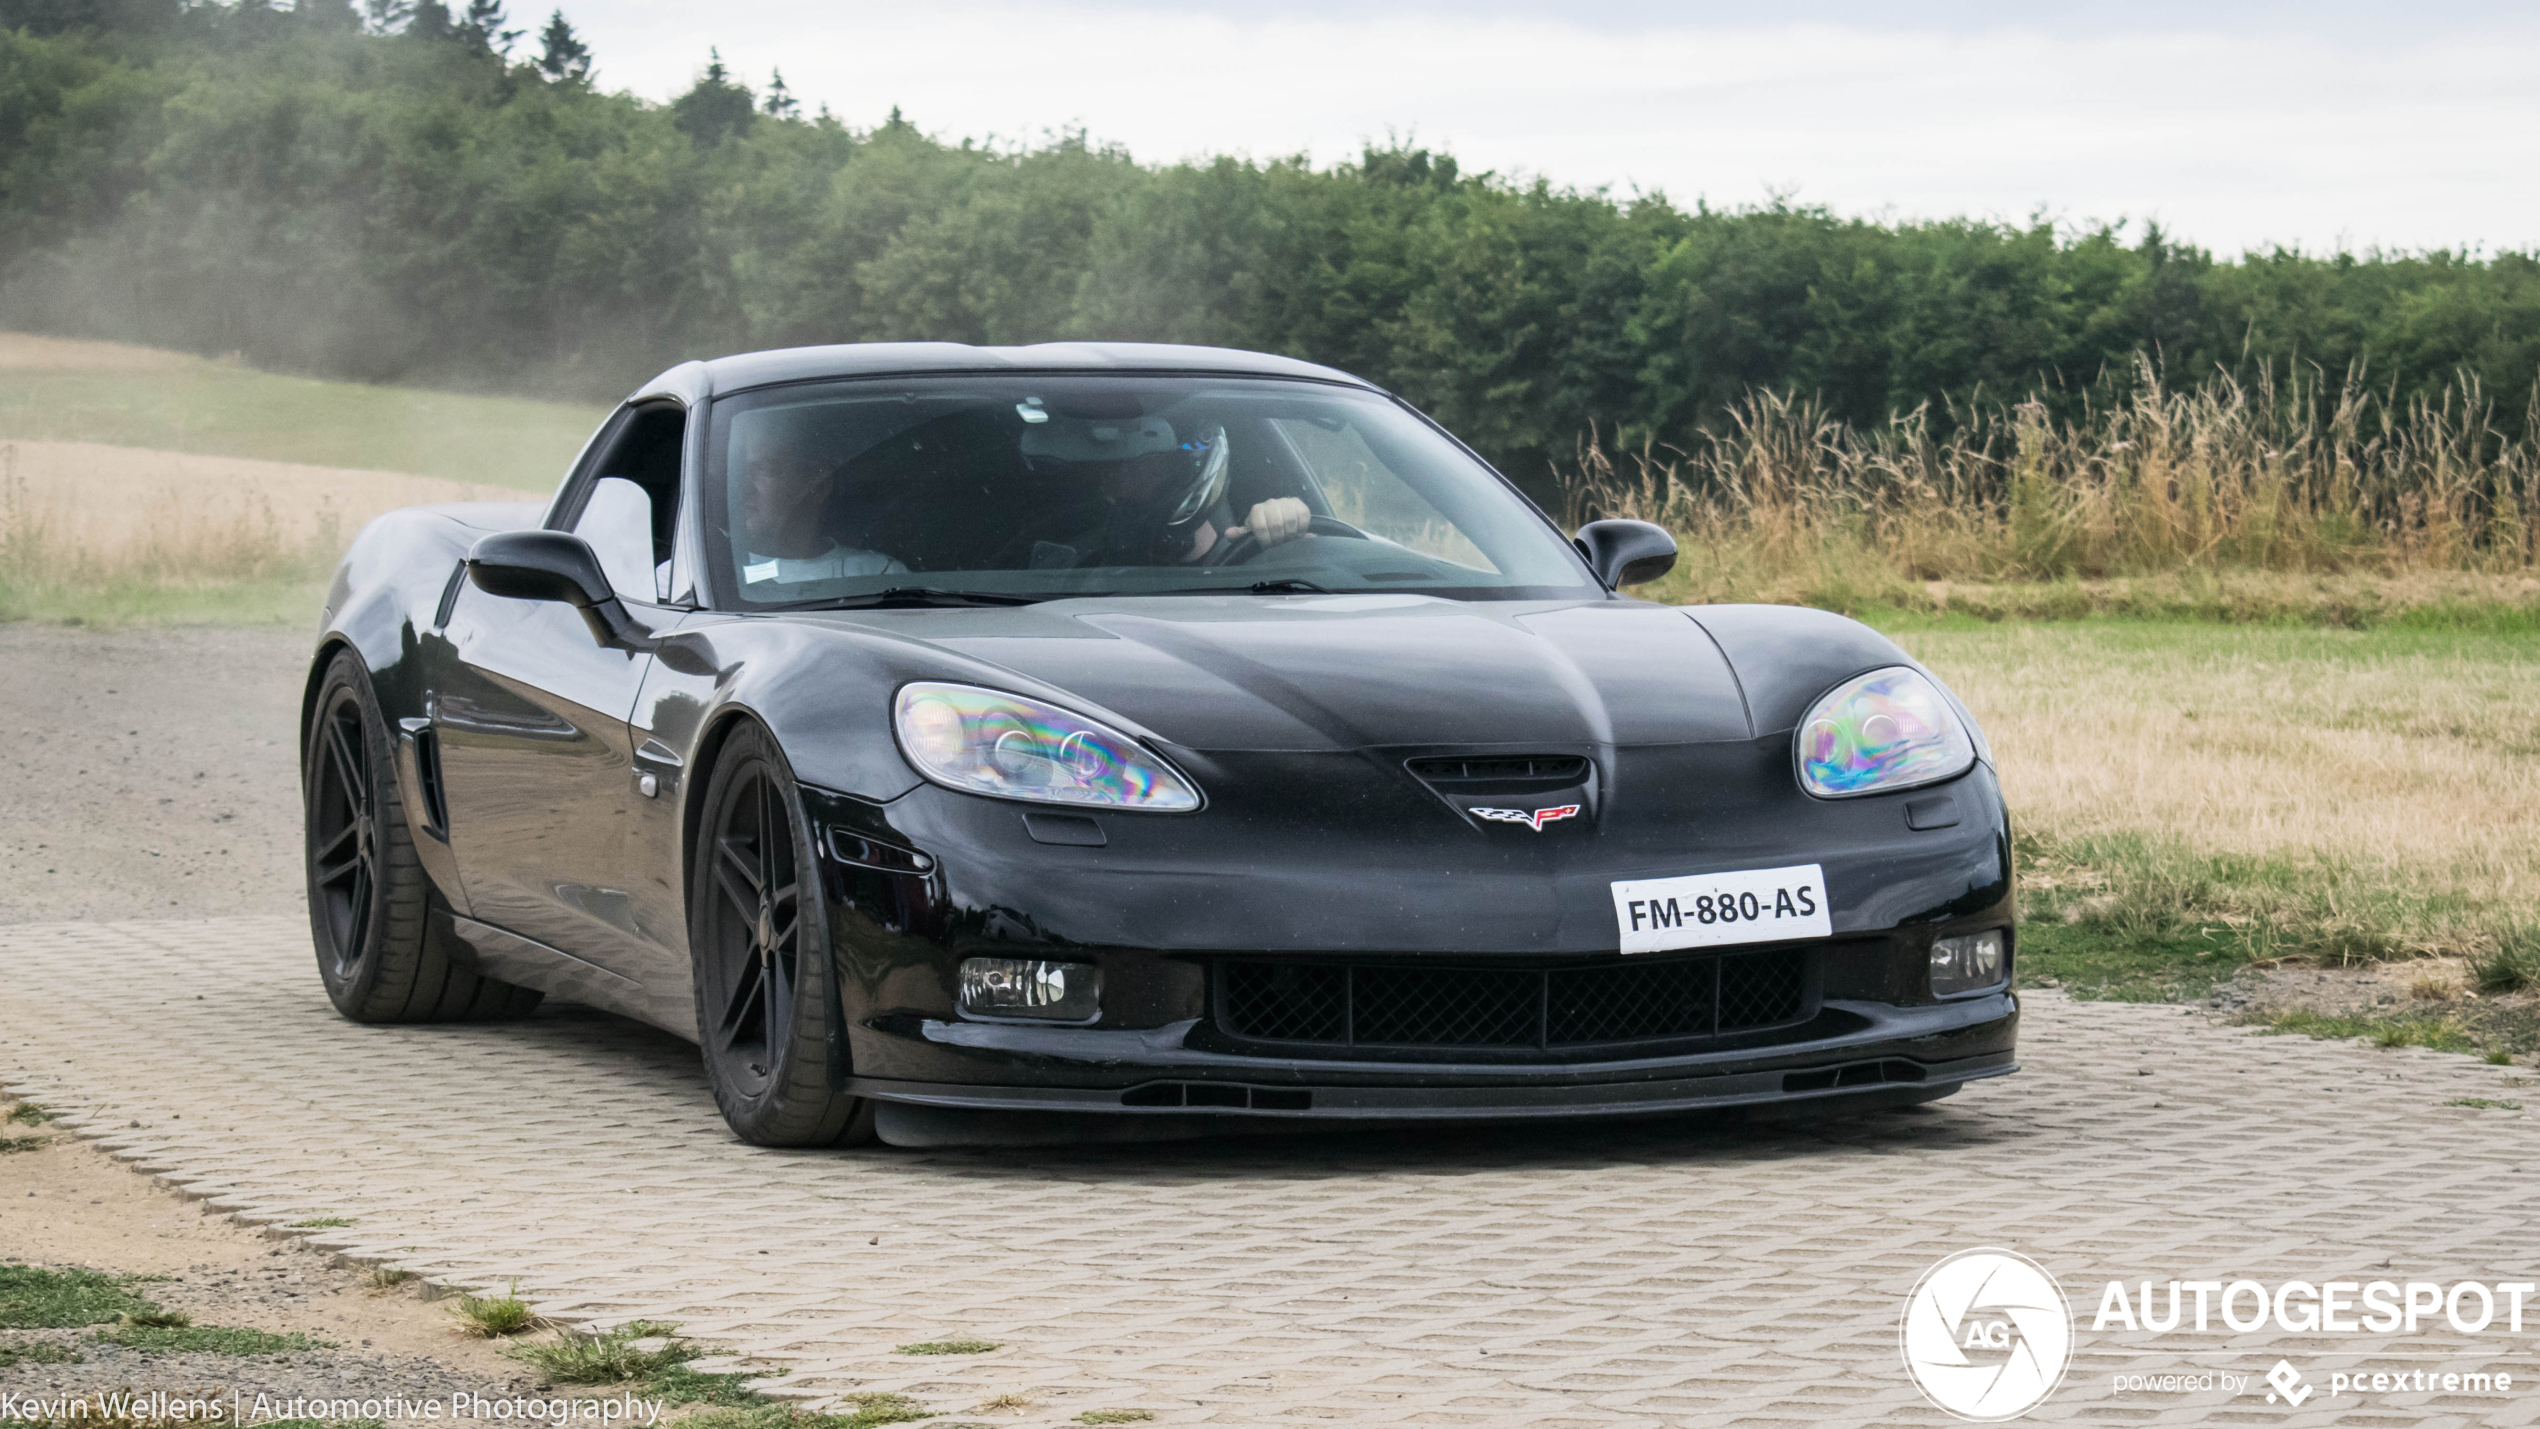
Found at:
[151, 772]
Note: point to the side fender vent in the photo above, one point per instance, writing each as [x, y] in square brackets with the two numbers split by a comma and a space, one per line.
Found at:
[436, 810]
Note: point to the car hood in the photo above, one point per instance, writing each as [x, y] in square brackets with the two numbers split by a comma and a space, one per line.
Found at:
[1354, 672]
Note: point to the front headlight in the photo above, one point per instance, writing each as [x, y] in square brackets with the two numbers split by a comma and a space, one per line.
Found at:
[1886, 730]
[985, 742]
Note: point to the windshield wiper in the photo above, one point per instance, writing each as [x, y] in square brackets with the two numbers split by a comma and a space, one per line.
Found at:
[910, 596]
[1285, 586]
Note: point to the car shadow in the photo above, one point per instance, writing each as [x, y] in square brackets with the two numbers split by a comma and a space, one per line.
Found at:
[1242, 1148]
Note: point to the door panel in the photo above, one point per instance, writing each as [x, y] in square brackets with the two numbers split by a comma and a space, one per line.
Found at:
[539, 776]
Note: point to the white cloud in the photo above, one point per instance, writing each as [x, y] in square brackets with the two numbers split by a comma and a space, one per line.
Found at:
[2231, 138]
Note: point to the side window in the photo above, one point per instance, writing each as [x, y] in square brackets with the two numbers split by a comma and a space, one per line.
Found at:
[628, 508]
[617, 519]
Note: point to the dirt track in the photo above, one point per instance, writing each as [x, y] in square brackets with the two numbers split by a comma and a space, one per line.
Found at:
[149, 772]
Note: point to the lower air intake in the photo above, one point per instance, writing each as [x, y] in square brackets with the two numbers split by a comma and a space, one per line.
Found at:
[1548, 1009]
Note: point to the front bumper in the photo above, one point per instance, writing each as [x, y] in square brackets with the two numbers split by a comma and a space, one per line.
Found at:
[1164, 908]
[1153, 1073]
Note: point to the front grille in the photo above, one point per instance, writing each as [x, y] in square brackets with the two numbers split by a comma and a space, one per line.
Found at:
[1398, 1005]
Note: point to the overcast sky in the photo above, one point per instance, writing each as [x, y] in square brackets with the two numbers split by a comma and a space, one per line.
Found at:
[2323, 124]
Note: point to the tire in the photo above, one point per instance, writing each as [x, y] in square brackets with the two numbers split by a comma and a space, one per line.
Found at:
[382, 936]
[758, 935]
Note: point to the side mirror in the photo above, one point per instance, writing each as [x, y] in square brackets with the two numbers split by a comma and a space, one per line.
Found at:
[556, 566]
[1626, 552]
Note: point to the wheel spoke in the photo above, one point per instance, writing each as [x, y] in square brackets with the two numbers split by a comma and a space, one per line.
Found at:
[779, 1004]
[331, 874]
[333, 859]
[348, 762]
[748, 989]
[766, 835]
[744, 899]
[352, 949]
[741, 864]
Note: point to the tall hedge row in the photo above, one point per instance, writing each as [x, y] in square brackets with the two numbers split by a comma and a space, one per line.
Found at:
[416, 207]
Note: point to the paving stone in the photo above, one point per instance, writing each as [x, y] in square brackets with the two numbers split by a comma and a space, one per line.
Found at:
[1655, 1274]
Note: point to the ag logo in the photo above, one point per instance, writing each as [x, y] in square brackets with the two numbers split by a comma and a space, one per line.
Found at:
[1534, 818]
[1987, 1334]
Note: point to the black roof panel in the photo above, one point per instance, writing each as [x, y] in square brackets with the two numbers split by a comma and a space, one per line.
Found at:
[875, 359]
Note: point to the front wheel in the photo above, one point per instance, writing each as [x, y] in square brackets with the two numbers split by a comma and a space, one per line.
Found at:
[761, 957]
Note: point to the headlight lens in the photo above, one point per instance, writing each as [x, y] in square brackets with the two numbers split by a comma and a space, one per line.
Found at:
[1963, 964]
[984, 742]
[1888, 729]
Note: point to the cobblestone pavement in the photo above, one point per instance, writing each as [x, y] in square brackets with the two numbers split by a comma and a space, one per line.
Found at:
[1656, 1274]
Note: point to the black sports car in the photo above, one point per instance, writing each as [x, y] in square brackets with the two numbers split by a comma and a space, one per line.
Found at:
[959, 741]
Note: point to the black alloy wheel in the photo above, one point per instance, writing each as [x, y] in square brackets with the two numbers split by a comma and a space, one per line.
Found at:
[382, 935]
[344, 884]
[762, 957]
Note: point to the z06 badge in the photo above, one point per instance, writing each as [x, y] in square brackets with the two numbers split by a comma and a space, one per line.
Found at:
[1532, 818]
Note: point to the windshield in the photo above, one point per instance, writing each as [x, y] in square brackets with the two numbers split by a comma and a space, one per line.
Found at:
[1042, 487]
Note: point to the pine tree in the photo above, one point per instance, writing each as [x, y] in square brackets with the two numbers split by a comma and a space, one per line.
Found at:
[483, 27]
[431, 21]
[717, 109]
[561, 53]
[386, 17]
[780, 102]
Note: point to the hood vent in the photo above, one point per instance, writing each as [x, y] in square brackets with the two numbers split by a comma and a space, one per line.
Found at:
[1454, 775]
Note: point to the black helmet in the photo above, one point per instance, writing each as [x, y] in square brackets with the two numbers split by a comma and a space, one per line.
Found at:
[1171, 493]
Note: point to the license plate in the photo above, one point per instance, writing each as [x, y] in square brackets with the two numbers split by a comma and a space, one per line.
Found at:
[1702, 910]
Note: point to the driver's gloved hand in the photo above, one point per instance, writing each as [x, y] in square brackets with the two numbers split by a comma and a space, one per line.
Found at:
[1281, 518]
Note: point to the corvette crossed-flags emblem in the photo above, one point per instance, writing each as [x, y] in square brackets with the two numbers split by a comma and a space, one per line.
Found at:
[1532, 818]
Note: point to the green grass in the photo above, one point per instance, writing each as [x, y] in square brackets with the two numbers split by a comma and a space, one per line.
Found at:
[219, 410]
[679, 1384]
[2513, 965]
[611, 1358]
[1115, 1416]
[2440, 1034]
[39, 1353]
[948, 1347]
[493, 1317]
[34, 1299]
[292, 602]
[2484, 1104]
[321, 1223]
[29, 1114]
[871, 1410]
[207, 1340]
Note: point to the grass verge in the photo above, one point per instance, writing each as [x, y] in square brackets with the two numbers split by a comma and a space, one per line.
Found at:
[32, 1298]
[192, 405]
[207, 1340]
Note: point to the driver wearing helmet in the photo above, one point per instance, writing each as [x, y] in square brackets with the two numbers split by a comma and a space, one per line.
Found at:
[1165, 500]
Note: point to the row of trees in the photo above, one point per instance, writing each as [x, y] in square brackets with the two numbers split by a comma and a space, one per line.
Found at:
[395, 194]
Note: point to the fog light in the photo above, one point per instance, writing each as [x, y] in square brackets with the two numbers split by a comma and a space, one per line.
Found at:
[1965, 963]
[1019, 987]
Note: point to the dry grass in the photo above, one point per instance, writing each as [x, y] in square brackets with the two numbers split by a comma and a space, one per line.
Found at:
[1785, 503]
[2332, 792]
[86, 528]
[27, 352]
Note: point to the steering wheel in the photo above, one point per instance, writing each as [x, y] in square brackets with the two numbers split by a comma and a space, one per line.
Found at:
[1246, 546]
